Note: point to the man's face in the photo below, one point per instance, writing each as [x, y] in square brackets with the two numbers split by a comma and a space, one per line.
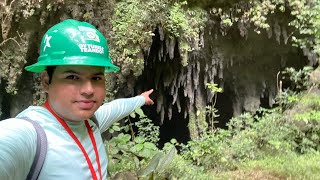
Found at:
[75, 92]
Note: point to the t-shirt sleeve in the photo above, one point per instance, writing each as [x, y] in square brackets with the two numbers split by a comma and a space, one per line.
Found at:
[115, 110]
[18, 141]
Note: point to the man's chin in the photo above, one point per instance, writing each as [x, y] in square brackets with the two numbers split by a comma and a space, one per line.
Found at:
[81, 113]
[86, 114]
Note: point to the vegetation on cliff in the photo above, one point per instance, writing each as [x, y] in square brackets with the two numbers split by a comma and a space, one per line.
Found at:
[277, 143]
[134, 22]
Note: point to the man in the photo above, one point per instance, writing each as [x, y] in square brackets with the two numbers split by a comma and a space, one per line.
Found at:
[73, 58]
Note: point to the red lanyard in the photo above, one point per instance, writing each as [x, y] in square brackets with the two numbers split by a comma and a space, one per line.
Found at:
[67, 128]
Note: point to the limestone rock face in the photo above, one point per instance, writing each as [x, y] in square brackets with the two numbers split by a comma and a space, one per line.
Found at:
[245, 68]
[243, 63]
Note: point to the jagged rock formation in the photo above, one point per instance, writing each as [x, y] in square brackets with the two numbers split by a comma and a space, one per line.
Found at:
[245, 64]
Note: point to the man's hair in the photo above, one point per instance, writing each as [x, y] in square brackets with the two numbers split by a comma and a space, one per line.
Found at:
[50, 70]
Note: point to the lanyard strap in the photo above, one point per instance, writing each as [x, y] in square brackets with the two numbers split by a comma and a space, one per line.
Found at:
[94, 147]
[76, 140]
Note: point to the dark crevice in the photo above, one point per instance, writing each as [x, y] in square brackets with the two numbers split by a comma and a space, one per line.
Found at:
[224, 107]
[5, 103]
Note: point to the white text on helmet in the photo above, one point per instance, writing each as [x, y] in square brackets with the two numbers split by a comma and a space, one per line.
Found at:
[91, 48]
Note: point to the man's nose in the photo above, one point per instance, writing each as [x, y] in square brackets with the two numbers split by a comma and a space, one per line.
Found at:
[87, 88]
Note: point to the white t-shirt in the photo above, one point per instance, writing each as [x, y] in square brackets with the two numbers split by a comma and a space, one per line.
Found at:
[64, 159]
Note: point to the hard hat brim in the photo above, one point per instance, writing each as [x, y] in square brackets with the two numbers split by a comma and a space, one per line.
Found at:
[74, 60]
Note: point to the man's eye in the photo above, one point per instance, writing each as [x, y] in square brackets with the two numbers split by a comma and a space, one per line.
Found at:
[72, 77]
[97, 78]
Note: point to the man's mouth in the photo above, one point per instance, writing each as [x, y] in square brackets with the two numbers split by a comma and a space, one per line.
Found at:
[86, 104]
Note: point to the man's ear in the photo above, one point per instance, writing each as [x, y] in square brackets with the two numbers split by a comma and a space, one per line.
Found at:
[45, 81]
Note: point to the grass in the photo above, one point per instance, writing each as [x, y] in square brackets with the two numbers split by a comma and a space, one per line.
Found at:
[282, 167]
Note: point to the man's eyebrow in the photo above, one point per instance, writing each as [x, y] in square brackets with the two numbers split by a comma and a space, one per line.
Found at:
[70, 72]
[75, 72]
[99, 74]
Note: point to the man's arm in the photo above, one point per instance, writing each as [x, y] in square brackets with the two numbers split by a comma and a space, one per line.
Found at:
[18, 140]
[115, 110]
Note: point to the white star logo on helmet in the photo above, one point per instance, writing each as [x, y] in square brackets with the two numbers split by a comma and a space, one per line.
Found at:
[47, 41]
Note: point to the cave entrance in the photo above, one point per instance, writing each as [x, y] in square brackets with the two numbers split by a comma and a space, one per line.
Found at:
[224, 107]
[248, 76]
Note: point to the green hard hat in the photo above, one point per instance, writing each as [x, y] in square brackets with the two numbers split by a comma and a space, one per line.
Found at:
[73, 42]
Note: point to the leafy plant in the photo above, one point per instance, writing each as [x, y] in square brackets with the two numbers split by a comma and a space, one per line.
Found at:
[211, 110]
[287, 98]
[157, 164]
[208, 150]
[300, 79]
[183, 169]
[146, 128]
[137, 153]
[255, 135]
[125, 153]
[129, 152]
[198, 125]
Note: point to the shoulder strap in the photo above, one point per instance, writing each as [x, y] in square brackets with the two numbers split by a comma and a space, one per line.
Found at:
[41, 150]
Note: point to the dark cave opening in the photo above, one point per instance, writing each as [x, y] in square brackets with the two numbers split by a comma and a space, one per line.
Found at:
[176, 128]
[159, 67]
[224, 107]
[265, 101]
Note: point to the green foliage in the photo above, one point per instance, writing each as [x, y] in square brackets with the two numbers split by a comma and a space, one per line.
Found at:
[214, 88]
[177, 20]
[255, 135]
[207, 151]
[12, 60]
[157, 164]
[264, 140]
[116, 127]
[136, 154]
[311, 101]
[135, 21]
[313, 115]
[211, 110]
[300, 79]
[125, 153]
[302, 25]
[288, 165]
[198, 125]
[307, 134]
[14, 38]
[129, 152]
[302, 110]
[184, 170]
[250, 137]
[287, 98]
[245, 12]
[146, 129]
